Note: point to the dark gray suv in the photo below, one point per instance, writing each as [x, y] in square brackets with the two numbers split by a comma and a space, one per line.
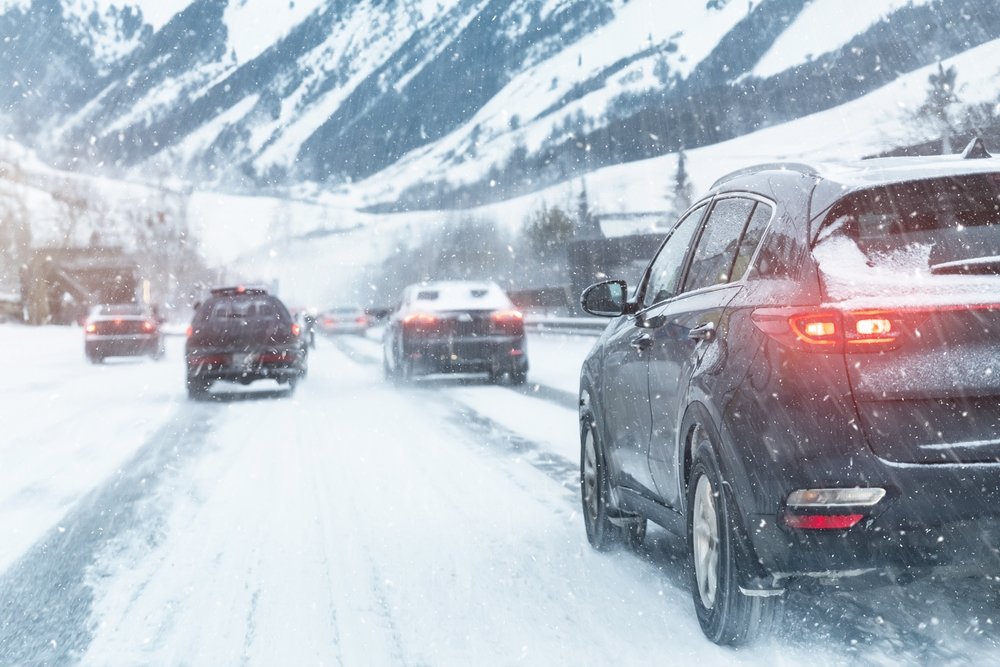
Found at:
[806, 384]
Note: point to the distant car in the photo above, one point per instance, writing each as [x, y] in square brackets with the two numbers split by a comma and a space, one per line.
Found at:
[455, 327]
[122, 330]
[307, 325]
[803, 384]
[242, 335]
[344, 320]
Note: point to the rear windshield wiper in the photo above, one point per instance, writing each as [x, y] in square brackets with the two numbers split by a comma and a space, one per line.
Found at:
[977, 266]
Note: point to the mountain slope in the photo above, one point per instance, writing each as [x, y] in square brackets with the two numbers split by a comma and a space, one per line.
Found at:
[436, 103]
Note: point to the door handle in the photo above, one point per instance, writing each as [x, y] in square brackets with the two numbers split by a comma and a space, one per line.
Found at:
[704, 331]
[641, 342]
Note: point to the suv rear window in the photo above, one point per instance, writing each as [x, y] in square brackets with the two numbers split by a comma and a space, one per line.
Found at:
[226, 309]
[922, 223]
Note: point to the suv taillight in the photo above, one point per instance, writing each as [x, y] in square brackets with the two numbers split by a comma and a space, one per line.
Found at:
[837, 331]
[421, 321]
[507, 321]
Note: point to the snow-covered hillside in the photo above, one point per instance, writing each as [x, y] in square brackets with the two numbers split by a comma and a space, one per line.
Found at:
[441, 102]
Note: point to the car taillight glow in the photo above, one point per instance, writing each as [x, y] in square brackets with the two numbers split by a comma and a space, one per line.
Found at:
[91, 328]
[420, 320]
[509, 322]
[361, 320]
[822, 521]
[502, 316]
[837, 331]
[296, 330]
[820, 329]
[871, 326]
[189, 332]
[148, 327]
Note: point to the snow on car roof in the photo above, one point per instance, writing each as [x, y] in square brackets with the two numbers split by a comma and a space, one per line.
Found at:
[458, 295]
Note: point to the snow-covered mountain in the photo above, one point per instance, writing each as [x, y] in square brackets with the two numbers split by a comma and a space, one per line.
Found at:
[433, 103]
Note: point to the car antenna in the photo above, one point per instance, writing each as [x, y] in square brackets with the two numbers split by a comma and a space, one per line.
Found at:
[976, 150]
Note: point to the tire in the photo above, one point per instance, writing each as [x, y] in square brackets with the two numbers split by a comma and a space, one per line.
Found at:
[387, 372]
[595, 492]
[404, 372]
[718, 557]
[197, 388]
[634, 533]
[95, 358]
[518, 378]
[293, 383]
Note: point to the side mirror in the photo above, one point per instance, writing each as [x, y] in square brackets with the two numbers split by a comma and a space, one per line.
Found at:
[607, 299]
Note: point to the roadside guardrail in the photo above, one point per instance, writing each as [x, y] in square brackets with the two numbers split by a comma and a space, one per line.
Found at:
[581, 326]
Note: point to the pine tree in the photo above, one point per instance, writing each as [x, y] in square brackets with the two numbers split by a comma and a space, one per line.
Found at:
[940, 96]
[587, 224]
[680, 193]
[547, 230]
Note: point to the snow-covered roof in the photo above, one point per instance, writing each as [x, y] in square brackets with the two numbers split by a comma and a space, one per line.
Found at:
[457, 295]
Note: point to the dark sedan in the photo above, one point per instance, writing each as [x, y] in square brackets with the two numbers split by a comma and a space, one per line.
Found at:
[805, 384]
[122, 330]
[243, 335]
[456, 327]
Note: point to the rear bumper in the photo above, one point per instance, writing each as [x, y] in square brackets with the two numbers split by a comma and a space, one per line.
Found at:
[214, 366]
[472, 355]
[122, 346]
[934, 517]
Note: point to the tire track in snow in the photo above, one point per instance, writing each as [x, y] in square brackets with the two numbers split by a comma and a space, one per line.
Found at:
[531, 389]
[852, 621]
[45, 600]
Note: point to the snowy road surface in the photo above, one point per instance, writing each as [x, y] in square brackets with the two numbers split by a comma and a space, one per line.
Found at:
[357, 523]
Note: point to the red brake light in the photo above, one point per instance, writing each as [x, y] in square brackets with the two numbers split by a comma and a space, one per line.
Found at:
[361, 319]
[822, 521]
[91, 328]
[189, 332]
[507, 316]
[837, 331]
[822, 329]
[148, 327]
[420, 320]
[296, 330]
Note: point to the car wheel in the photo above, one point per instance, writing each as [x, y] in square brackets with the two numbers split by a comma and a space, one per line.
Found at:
[293, 383]
[518, 378]
[595, 491]
[718, 561]
[197, 388]
[634, 532]
[95, 358]
[387, 373]
[404, 371]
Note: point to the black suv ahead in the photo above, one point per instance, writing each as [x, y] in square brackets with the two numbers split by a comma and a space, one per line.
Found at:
[806, 383]
[240, 335]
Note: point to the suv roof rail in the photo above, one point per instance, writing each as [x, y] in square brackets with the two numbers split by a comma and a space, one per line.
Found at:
[799, 167]
[238, 289]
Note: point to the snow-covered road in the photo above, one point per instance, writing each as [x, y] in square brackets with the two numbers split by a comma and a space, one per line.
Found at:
[358, 523]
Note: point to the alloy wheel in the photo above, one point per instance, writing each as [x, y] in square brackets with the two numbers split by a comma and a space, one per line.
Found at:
[705, 542]
[590, 490]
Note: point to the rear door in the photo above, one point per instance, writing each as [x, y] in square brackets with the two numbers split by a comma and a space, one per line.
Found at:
[686, 328]
[921, 315]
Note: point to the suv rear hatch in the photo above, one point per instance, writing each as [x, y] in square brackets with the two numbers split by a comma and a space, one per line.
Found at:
[242, 322]
[911, 270]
